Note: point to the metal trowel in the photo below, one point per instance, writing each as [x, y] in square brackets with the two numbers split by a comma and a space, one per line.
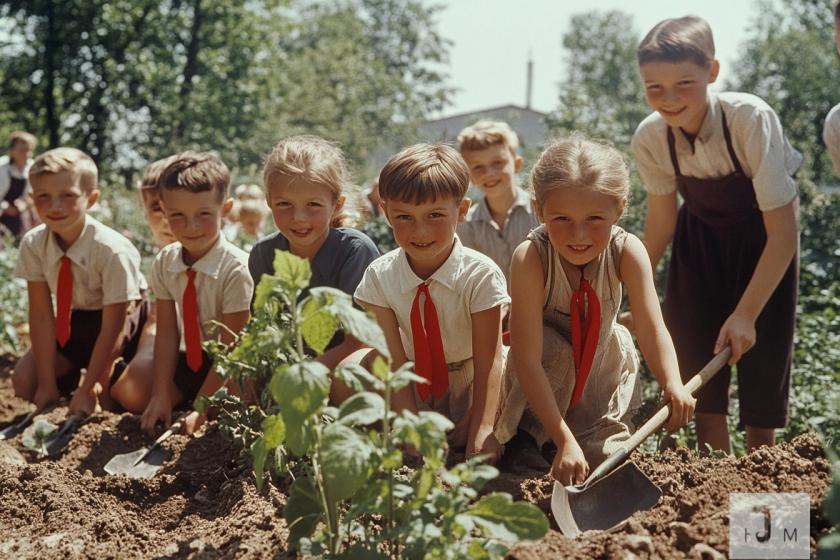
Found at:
[617, 489]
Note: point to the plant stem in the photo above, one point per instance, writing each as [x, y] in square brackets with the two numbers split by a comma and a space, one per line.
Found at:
[394, 549]
[329, 509]
[296, 327]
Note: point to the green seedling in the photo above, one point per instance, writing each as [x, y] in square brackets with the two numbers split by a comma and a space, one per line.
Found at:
[35, 437]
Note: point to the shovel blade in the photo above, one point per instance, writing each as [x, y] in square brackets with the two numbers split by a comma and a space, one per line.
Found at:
[127, 463]
[605, 504]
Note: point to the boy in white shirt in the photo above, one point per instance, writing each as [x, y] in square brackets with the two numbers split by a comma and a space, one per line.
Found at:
[95, 275]
[438, 302]
[198, 280]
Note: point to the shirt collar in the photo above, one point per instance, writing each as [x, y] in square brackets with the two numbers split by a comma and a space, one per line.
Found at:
[710, 122]
[482, 212]
[446, 274]
[210, 264]
[78, 250]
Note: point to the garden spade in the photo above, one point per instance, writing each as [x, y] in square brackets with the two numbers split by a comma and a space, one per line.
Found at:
[56, 444]
[145, 462]
[12, 430]
[616, 489]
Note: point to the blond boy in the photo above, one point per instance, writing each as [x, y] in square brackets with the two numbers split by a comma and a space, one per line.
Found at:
[91, 271]
[503, 216]
[200, 280]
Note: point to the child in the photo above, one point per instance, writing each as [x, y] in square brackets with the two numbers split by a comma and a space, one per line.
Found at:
[304, 178]
[733, 272]
[502, 217]
[14, 187]
[575, 365]
[455, 342]
[94, 273]
[831, 129]
[131, 395]
[251, 220]
[198, 280]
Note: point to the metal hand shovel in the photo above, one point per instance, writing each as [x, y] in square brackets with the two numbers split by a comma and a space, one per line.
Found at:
[145, 462]
[56, 444]
[12, 430]
[612, 493]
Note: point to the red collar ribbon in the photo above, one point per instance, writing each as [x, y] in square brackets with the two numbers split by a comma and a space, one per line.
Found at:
[429, 359]
[586, 324]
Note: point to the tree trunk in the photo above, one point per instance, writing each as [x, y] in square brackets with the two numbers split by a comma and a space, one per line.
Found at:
[50, 52]
[190, 71]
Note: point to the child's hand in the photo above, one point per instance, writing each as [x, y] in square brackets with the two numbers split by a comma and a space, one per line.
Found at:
[457, 437]
[485, 443]
[45, 396]
[193, 422]
[738, 332]
[159, 409]
[625, 318]
[570, 466]
[84, 402]
[682, 407]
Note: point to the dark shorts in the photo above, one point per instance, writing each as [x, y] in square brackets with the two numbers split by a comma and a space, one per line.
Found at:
[84, 330]
[189, 382]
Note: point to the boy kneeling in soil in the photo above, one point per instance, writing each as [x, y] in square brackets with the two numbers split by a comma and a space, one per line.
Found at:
[199, 280]
[94, 272]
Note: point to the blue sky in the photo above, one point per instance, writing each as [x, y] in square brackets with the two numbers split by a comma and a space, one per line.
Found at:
[492, 39]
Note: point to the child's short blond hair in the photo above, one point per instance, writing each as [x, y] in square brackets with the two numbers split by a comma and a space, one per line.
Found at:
[687, 38]
[23, 137]
[579, 163]
[249, 192]
[424, 172]
[196, 172]
[484, 134]
[150, 182]
[71, 160]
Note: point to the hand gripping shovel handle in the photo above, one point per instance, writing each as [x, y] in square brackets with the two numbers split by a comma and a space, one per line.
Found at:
[657, 420]
[174, 428]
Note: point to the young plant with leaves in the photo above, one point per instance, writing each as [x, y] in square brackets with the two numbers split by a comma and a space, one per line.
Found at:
[351, 494]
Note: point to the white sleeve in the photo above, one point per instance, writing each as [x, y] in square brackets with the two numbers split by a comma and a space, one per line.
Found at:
[370, 289]
[158, 279]
[29, 265]
[489, 288]
[657, 172]
[238, 289]
[5, 180]
[831, 137]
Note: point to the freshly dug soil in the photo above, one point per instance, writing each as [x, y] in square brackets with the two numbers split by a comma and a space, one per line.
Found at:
[203, 503]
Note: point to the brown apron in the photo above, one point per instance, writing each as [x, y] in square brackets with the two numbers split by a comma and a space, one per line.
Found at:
[16, 189]
[719, 238]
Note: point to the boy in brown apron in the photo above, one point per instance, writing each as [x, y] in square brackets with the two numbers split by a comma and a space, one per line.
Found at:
[733, 273]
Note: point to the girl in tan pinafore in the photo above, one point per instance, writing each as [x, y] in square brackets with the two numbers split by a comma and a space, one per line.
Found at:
[575, 368]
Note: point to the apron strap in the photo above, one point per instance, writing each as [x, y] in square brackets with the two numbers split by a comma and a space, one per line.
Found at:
[672, 150]
[728, 137]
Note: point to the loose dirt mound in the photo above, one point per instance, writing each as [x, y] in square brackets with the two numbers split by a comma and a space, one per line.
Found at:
[203, 503]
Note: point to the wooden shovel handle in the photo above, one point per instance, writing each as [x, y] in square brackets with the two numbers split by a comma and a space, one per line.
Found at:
[657, 420]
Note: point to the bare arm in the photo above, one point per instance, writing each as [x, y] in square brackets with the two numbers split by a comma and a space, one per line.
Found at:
[42, 336]
[167, 340]
[782, 243]
[404, 398]
[660, 224]
[332, 357]
[651, 333]
[233, 325]
[487, 368]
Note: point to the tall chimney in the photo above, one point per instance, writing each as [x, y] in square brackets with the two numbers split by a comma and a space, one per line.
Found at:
[529, 86]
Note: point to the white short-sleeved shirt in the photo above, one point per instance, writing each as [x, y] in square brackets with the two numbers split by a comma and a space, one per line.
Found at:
[222, 282]
[480, 231]
[467, 282]
[9, 171]
[831, 136]
[762, 149]
[105, 265]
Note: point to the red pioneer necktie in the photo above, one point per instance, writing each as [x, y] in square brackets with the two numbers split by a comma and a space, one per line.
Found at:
[63, 300]
[429, 359]
[586, 324]
[192, 330]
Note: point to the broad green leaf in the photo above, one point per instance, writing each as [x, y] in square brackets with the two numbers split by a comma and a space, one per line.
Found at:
[358, 378]
[404, 377]
[259, 452]
[299, 437]
[502, 519]
[292, 271]
[362, 409]
[355, 322]
[265, 288]
[380, 368]
[274, 431]
[300, 389]
[829, 547]
[318, 326]
[831, 505]
[303, 510]
[344, 461]
[478, 552]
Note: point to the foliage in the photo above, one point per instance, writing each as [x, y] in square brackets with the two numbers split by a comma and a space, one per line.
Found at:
[351, 494]
[35, 437]
[13, 312]
[829, 545]
[380, 233]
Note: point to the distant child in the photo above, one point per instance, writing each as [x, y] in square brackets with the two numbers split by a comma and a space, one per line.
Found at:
[734, 267]
[14, 185]
[199, 280]
[502, 217]
[831, 128]
[125, 390]
[93, 275]
[305, 178]
[439, 302]
[574, 363]
[251, 221]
